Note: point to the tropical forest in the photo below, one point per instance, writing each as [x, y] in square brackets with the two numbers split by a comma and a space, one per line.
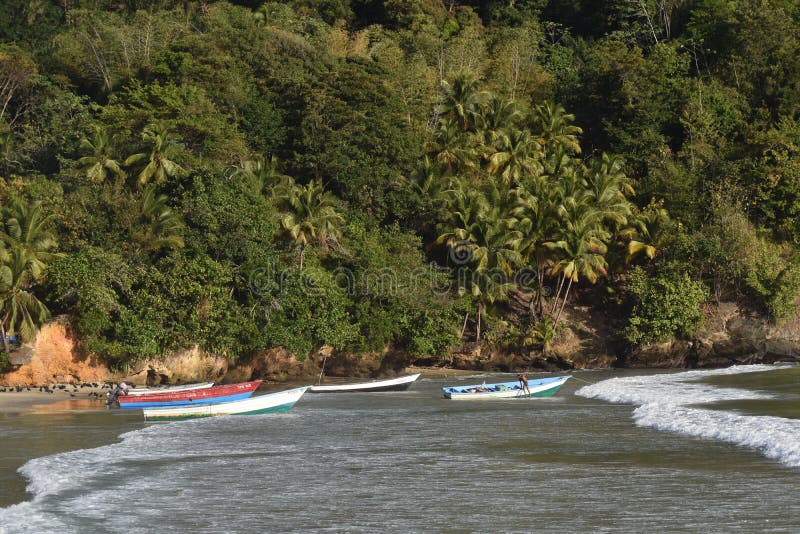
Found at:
[403, 176]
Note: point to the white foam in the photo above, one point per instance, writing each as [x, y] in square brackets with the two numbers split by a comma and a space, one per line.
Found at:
[666, 403]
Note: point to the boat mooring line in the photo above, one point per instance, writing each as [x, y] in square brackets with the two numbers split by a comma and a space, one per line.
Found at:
[581, 380]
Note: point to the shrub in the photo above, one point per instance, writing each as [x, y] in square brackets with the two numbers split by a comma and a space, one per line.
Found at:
[665, 305]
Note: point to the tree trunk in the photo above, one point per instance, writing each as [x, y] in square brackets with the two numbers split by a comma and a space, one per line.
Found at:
[3, 333]
[478, 331]
[302, 253]
[540, 293]
[464, 327]
[566, 295]
[558, 294]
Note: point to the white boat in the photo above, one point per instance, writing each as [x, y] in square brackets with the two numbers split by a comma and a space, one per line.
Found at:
[169, 389]
[279, 402]
[543, 387]
[400, 383]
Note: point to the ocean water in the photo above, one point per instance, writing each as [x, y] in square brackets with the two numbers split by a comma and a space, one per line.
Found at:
[613, 451]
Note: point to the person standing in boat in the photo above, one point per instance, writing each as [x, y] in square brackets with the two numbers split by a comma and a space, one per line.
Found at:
[523, 383]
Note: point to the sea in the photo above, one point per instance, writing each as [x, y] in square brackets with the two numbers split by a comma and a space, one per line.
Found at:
[613, 451]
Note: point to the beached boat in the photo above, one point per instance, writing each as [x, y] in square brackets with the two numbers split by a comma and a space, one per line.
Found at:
[279, 402]
[221, 393]
[543, 387]
[169, 389]
[393, 384]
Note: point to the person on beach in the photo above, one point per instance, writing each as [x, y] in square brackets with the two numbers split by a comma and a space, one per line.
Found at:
[523, 383]
[121, 389]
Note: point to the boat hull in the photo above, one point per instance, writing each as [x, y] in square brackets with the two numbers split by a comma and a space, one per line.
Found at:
[169, 389]
[279, 402]
[222, 393]
[394, 384]
[545, 387]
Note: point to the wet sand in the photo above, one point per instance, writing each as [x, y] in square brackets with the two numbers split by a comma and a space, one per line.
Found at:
[59, 400]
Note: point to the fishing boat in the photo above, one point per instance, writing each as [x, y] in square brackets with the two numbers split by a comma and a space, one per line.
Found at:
[169, 389]
[279, 402]
[543, 387]
[393, 384]
[221, 393]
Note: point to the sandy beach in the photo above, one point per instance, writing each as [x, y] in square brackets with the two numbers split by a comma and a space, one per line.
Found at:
[12, 401]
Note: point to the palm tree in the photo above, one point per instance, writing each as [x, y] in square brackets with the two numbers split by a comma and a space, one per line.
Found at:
[515, 157]
[608, 187]
[310, 215]
[483, 242]
[20, 310]
[27, 232]
[99, 162]
[582, 248]
[544, 332]
[536, 217]
[161, 227]
[447, 147]
[157, 163]
[426, 179]
[26, 244]
[498, 114]
[265, 174]
[555, 129]
[460, 101]
[648, 233]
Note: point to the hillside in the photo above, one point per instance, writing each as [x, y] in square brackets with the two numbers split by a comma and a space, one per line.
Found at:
[425, 180]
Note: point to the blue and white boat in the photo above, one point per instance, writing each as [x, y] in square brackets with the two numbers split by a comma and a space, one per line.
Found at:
[542, 387]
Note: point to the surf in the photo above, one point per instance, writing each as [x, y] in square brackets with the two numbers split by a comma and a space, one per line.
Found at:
[671, 403]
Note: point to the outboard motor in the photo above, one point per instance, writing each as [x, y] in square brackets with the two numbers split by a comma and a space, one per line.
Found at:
[113, 395]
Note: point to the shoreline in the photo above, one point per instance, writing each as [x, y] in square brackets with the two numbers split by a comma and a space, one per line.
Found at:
[71, 399]
[59, 401]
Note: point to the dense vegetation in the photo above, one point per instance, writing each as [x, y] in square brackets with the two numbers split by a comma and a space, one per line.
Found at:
[368, 174]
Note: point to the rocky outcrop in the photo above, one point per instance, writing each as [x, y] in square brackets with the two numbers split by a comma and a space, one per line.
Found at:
[730, 336]
[190, 365]
[53, 358]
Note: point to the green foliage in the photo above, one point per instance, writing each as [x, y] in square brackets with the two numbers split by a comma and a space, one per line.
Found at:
[665, 305]
[187, 151]
[311, 310]
[773, 281]
[354, 140]
[226, 219]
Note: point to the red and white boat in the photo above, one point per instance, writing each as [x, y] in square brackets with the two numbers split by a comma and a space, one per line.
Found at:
[169, 389]
[213, 394]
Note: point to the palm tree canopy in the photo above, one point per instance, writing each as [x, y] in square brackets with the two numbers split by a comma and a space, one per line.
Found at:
[162, 227]
[160, 147]
[310, 213]
[98, 160]
[555, 127]
[460, 101]
[28, 230]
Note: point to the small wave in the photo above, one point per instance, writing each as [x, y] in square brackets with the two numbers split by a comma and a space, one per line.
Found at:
[666, 402]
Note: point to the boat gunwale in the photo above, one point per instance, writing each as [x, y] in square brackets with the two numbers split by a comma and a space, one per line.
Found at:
[406, 380]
